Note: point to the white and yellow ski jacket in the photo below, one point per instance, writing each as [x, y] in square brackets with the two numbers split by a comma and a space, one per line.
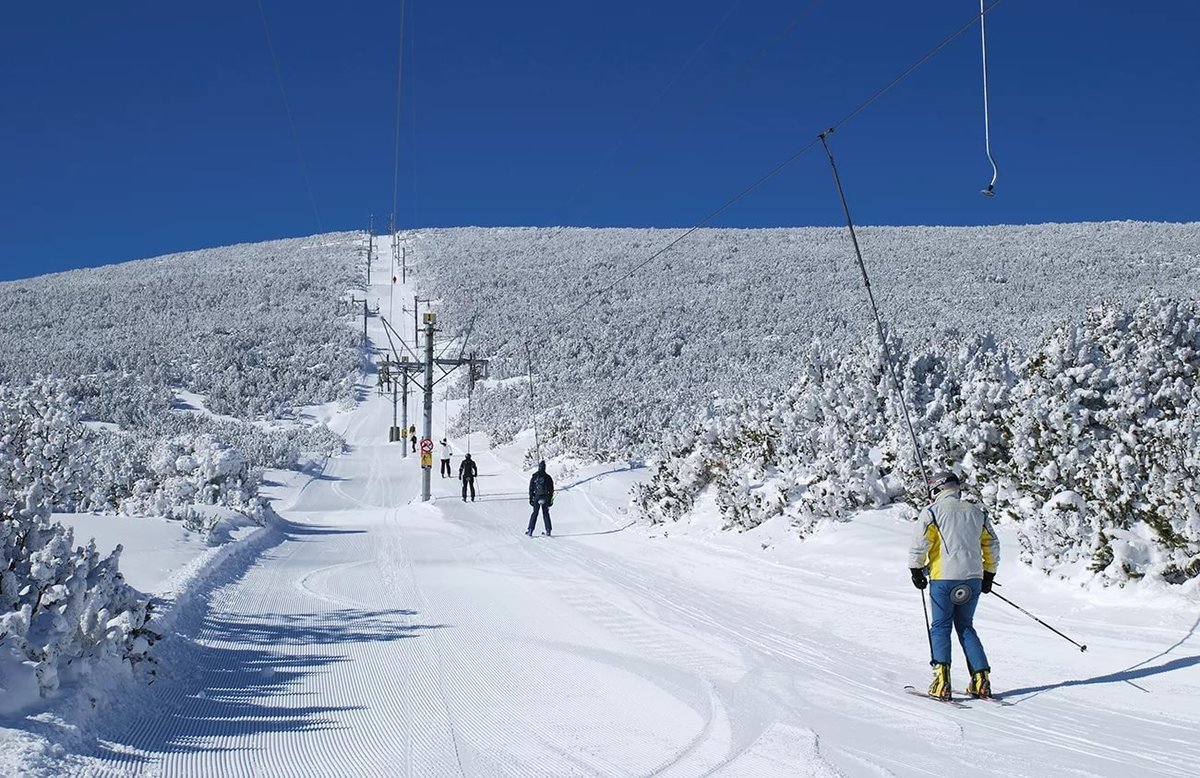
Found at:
[955, 539]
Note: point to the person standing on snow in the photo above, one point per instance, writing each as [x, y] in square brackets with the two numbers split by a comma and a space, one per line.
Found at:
[541, 495]
[954, 539]
[466, 474]
[447, 452]
[412, 436]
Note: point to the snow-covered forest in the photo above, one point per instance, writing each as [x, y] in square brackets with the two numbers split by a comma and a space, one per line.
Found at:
[96, 368]
[104, 359]
[732, 312]
[1075, 422]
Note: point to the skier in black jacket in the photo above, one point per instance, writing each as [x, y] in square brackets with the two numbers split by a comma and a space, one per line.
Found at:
[541, 494]
[466, 474]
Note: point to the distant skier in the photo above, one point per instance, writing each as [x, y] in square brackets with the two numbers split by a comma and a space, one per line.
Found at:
[956, 541]
[466, 473]
[447, 452]
[541, 495]
[412, 436]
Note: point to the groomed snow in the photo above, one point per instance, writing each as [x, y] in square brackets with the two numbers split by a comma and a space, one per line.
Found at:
[364, 633]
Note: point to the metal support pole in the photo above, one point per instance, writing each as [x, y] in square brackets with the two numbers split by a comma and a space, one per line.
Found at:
[370, 246]
[426, 471]
[364, 320]
[404, 416]
[887, 355]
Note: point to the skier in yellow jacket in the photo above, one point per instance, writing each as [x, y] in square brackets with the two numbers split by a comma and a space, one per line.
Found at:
[955, 542]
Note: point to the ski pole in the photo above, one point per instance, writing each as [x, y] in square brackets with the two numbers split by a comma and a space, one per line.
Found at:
[928, 631]
[1082, 648]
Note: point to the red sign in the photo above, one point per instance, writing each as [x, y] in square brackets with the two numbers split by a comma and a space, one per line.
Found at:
[426, 446]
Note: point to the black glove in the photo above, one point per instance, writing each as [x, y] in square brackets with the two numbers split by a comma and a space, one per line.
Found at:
[987, 582]
[918, 577]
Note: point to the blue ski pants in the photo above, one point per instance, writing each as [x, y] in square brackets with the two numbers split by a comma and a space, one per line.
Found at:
[961, 617]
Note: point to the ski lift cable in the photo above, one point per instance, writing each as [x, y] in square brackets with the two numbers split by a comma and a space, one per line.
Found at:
[387, 327]
[987, 133]
[712, 96]
[533, 401]
[287, 107]
[779, 167]
[887, 354]
[399, 95]
[468, 419]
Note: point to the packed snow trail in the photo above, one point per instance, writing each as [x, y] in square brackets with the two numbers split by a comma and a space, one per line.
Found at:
[380, 636]
[376, 635]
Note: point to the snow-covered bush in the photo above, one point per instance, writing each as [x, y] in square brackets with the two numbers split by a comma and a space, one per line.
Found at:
[1103, 429]
[63, 610]
[43, 454]
[50, 457]
[1088, 447]
[190, 471]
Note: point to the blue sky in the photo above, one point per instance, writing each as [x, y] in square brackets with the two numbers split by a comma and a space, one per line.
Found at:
[141, 128]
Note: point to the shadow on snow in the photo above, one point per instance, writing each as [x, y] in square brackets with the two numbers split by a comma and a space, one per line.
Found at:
[232, 682]
[1121, 675]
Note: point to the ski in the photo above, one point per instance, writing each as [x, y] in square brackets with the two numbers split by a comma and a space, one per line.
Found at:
[918, 693]
[994, 699]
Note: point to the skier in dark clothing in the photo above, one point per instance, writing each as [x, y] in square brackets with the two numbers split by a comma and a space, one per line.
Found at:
[412, 437]
[541, 495]
[466, 474]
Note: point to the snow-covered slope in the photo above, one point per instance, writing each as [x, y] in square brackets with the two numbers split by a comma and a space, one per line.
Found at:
[361, 632]
[368, 634]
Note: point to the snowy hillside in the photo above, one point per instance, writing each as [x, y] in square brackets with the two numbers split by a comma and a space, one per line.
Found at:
[358, 631]
[732, 311]
[252, 328]
[118, 354]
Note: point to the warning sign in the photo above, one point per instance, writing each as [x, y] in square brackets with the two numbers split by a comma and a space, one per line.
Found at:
[426, 459]
[426, 446]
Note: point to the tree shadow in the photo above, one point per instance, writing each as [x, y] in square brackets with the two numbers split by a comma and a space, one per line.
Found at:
[294, 530]
[234, 682]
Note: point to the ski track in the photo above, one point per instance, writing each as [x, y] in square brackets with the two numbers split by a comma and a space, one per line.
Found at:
[374, 635]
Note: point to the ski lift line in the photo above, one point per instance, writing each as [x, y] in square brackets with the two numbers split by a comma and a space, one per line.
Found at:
[914, 66]
[779, 167]
[699, 225]
[537, 442]
[399, 94]
[468, 419]
[388, 328]
[708, 99]
[391, 343]
[467, 336]
[412, 112]
[987, 133]
[287, 107]
[887, 354]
